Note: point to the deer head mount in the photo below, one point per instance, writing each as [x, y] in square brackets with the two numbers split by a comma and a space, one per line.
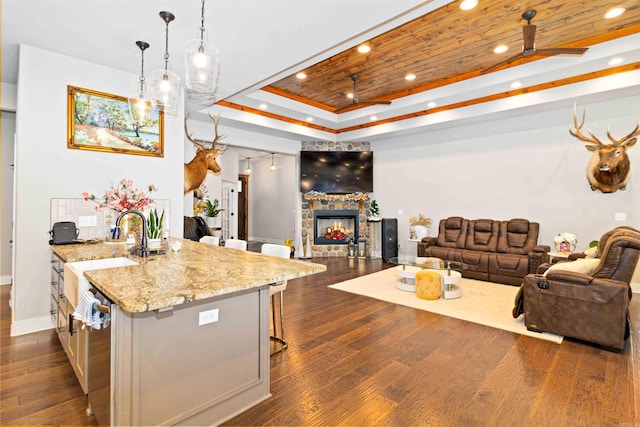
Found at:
[205, 159]
[609, 168]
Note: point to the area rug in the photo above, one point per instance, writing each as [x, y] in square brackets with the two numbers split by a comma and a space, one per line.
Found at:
[486, 303]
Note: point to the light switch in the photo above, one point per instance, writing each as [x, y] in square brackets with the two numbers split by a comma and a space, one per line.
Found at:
[400, 212]
[620, 216]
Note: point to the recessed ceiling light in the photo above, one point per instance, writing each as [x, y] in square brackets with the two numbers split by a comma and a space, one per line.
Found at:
[410, 77]
[301, 76]
[263, 106]
[431, 104]
[616, 61]
[501, 48]
[373, 118]
[309, 119]
[614, 13]
[364, 48]
[350, 95]
[516, 85]
[468, 4]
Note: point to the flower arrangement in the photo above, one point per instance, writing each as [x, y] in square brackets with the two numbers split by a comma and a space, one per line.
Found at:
[123, 197]
[374, 209]
[420, 220]
[565, 242]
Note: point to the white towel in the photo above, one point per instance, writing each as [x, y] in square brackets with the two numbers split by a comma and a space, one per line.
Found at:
[87, 311]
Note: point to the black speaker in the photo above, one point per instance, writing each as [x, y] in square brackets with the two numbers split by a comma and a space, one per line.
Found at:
[389, 238]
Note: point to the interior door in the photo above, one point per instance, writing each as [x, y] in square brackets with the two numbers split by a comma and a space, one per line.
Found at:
[243, 207]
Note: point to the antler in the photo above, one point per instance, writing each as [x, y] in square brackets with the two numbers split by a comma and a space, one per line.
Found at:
[199, 143]
[633, 133]
[592, 139]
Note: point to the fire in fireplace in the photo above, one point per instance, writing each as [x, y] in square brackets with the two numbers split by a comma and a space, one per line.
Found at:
[335, 227]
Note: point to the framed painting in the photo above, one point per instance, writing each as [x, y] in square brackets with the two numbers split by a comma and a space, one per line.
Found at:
[99, 121]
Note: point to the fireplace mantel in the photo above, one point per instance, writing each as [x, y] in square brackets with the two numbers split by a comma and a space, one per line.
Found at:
[316, 195]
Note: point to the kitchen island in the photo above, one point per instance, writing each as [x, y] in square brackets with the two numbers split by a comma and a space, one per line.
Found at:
[190, 330]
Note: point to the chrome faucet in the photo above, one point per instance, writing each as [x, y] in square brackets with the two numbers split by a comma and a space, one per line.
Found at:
[143, 251]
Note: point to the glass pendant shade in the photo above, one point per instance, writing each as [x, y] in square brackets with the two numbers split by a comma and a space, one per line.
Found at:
[202, 66]
[140, 104]
[165, 90]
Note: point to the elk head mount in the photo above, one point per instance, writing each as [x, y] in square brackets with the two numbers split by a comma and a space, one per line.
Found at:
[205, 159]
[609, 168]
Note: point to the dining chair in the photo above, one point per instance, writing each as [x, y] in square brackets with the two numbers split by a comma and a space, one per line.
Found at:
[210, 240]
[277, 289]
[236, 244]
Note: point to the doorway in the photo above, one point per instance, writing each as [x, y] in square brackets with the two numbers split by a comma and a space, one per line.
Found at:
[243, 207]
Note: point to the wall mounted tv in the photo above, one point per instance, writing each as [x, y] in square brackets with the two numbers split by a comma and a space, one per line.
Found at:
[338, 172]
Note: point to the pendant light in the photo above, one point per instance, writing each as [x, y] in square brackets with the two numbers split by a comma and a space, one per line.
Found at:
[248, 171]
[272, 168]
[140, 106]
[202, 66]
[165, 89]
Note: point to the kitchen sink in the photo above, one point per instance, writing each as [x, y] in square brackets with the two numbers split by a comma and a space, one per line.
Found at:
[74, 281]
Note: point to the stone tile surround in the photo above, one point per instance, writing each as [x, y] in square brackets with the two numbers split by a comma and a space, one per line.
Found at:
[307, 213]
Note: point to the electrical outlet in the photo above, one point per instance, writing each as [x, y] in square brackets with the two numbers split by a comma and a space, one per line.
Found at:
[206, 317]
[87, 221]
[620, 216]
[400, 212]
[399, 245]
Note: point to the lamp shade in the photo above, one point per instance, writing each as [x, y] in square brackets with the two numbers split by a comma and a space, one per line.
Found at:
[165, 90]
[202, 66]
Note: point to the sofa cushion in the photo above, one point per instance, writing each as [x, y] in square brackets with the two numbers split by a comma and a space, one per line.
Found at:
[509, 265]
[452, 232]
[517, 236]
[482, 235]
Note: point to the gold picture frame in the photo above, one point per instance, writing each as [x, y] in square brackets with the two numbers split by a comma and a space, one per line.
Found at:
[99, 121]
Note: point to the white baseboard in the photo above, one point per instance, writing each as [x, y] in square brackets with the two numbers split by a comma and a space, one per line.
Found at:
[21, 327]
[5, 280]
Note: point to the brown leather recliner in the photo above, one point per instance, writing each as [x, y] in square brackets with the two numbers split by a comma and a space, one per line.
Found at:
[590, 307]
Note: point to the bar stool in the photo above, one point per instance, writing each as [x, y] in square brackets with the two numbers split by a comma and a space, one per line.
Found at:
[210, 240]
[236, 244]
[281, 251]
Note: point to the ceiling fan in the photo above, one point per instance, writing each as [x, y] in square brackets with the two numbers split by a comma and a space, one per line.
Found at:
[356, 100]
[529, 49]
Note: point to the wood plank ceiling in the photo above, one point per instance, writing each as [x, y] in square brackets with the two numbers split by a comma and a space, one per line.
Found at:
[449, 45]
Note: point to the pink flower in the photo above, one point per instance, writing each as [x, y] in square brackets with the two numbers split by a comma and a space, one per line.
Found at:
[123, 198]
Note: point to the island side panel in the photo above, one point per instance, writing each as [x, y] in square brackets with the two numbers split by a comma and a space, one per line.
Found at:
[169, 370]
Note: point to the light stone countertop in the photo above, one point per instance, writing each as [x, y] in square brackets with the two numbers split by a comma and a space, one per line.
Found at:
[197, 272]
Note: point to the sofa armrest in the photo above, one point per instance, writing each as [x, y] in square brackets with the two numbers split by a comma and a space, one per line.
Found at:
[570, 276]
[541, 248]
[429, 241]
[537, 258]
[425, 243]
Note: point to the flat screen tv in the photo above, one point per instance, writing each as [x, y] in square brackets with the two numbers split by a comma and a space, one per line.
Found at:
[337, 172]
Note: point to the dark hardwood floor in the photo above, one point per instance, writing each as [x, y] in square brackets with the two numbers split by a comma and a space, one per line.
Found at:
[358, 361]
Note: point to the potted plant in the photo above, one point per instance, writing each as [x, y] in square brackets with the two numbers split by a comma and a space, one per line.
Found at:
[420, 226]
[154, 228]
[211, 211]
[374, 210]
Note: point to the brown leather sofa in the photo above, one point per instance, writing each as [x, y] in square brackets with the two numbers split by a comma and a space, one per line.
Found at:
[591, 307]
[497, 251]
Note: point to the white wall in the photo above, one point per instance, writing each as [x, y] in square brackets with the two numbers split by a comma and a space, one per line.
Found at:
[45, 168]
[527, 166]
[272, 199]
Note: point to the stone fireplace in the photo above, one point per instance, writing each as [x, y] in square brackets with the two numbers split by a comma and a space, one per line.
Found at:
[335, 204]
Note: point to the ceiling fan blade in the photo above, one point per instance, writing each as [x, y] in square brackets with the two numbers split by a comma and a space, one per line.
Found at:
[529, 33]
[501, 63]
[562, 51]
[375, 102]
[346, 107]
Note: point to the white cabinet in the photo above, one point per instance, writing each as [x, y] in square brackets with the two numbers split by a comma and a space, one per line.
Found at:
[73, 338]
